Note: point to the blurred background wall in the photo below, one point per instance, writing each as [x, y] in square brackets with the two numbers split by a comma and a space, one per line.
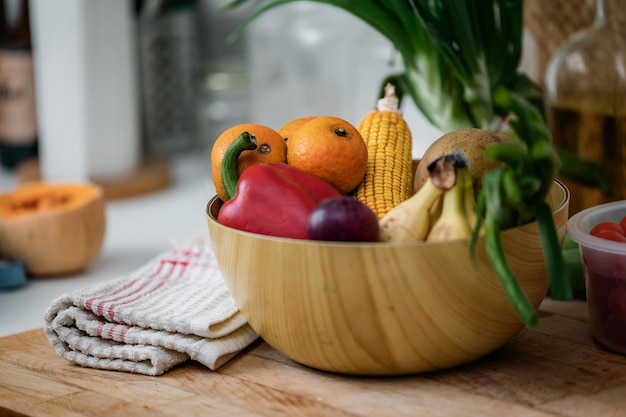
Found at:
[190, 83]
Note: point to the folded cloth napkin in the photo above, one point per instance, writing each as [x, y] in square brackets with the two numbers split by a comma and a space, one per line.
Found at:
[174, 308]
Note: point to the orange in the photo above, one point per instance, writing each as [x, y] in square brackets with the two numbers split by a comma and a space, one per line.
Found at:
[271, 149]
[288, 129]
[330, 148]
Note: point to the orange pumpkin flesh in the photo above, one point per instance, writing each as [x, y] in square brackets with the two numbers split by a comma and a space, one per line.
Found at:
[55, 229]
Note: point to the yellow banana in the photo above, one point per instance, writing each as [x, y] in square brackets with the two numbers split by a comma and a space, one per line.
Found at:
[410, 220]
[470, 205]
[435, 211]
[469, 199]
[452, 223]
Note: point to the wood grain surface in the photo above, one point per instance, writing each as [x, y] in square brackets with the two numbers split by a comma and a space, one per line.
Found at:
[555, 370]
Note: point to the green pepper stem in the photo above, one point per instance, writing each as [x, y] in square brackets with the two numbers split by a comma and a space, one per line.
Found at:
[230, 176]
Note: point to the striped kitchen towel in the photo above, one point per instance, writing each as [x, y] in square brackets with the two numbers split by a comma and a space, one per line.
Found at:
[175, 308]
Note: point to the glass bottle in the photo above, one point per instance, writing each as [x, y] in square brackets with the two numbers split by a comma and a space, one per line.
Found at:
[585, 90]
[18, 121]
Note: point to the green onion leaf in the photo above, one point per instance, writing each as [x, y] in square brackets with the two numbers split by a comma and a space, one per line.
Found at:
[560, 285]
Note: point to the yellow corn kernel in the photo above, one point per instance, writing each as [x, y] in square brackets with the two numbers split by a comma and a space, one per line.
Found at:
[389, 175]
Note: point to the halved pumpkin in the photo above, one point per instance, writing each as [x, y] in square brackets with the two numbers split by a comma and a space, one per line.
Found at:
[55, 228]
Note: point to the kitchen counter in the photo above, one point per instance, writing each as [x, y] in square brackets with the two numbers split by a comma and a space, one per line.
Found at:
[138, 229]
[554, 370]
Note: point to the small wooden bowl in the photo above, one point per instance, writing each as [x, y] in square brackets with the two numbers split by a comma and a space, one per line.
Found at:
[380, 308]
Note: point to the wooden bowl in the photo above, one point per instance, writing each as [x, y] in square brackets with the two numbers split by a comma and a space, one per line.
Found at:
[380, 308]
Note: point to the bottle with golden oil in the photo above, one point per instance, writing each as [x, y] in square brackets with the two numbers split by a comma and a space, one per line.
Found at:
[585, 90]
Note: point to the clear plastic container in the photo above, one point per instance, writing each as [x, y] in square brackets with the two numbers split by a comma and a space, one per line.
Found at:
[604, 262]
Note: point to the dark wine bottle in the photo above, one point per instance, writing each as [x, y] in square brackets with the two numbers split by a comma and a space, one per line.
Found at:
[18, 118]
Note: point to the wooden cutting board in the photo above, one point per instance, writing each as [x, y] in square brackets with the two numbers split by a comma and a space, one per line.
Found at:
[555, 370]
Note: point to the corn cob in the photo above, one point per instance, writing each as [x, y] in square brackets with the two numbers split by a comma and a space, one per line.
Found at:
[388, 178]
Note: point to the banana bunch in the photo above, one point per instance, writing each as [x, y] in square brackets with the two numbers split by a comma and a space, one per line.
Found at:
[444, 208]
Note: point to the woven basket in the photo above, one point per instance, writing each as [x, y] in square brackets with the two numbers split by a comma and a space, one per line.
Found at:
[551, 22]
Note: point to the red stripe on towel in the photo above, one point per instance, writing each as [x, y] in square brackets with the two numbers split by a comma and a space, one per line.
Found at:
[122, 292]
[90, 301]
[173, 262]
[123, 334]
[112, 331]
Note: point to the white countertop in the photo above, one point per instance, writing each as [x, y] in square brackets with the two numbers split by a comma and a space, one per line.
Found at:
[138, 229]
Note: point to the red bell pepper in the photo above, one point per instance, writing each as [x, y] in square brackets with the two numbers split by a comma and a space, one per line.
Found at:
[269, 199]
